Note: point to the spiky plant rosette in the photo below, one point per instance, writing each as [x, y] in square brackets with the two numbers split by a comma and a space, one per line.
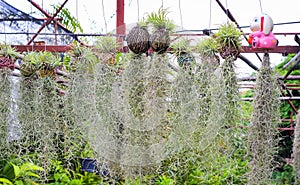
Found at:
[48, 62]
[208, 49]
[107, 47]
[138, 38]
[82, 59]
[183, 51]
[263, 129]
[228, 38]
[163, 27]
[30, 65]
[8, 55]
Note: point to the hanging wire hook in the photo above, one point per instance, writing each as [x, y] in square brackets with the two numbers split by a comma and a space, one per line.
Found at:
[104, 17]
[210, 12]
[138, 9]
[260, 6]
[180, 14]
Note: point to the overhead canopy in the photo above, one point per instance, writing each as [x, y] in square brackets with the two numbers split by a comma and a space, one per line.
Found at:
[18, 27]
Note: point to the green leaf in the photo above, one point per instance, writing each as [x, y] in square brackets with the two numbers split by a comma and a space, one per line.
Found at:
[32, 174]
[8, 171]
[16, 170]
[19, 182]
[5, 181]
[30, 166]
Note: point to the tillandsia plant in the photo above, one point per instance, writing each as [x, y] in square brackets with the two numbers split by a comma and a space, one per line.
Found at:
[228, 38]
[208, 49]
[265, 119]
[163, 27]
[39, 64]
[82, 59]
[5, 109]
[229, 45]
[7, 116]
[107, 47]
[296, 151]
[183, 51]
[138, 38]
[8, 55]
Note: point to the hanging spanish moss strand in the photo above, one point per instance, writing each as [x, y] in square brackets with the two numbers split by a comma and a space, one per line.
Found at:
[4, 111]
[296, 150]
[263, 129]
[231, 91]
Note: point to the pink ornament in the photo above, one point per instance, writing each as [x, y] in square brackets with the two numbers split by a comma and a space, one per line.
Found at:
[262, 36]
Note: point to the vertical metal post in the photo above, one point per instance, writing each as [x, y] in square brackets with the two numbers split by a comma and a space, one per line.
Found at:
[120, 27]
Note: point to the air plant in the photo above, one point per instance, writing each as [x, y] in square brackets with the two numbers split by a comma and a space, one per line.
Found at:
[183, 51]
[163, 27]
[228, 38]
[40, 64]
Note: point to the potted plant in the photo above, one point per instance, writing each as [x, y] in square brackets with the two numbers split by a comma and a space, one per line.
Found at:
[163, 27]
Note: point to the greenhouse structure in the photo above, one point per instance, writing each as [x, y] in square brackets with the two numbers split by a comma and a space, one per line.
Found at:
[148, 102]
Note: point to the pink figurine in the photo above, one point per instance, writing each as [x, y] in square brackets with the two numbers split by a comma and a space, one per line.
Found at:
[262, 36]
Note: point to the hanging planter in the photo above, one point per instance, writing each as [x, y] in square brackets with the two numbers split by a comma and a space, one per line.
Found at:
[138, 38]
[182, 50]
[163, 27]
[228, 38]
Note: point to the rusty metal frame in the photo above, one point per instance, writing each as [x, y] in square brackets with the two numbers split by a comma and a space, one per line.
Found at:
[49, 20]
[55, 21]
